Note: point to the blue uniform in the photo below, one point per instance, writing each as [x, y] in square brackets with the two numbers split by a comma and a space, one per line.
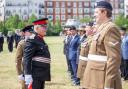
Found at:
[74, 44]
[124, 49]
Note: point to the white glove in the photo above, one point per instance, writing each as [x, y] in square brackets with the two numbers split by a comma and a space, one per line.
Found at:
[28, 79]
[21, 77]
[108, 88]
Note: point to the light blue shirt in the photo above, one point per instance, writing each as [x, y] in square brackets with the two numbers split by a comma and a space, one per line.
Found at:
[124, 47]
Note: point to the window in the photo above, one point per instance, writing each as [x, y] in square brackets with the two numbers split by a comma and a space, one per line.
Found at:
[57, 17]
[30, 10]
[116, 11]
[74, 10]
[62, 23]
[49, 10]
[80, 4]
[69, 10]
[121, 5]
[49, 4]
[69, 4]
[62, 4]
[50, 17]
[86, 4]
[41, 12]
[57, 10]
[25, 12]
[86, 10]
[80, 10]
[63, 10]
[74, 16]
[74, 4]
[35, 4]
[92, 11]
[63, 17]
[57, 4]
[92, 4]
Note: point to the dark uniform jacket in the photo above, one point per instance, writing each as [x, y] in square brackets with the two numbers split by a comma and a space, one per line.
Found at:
[1, 40]
[17, 39]
[10, 39]
[1, 43]
[37, 59]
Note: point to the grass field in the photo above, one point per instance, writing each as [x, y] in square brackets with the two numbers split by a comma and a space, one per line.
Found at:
[60, 78]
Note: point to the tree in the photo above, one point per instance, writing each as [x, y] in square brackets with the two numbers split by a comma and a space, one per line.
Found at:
[85, 20]
[12, 22]
[57, 28]
[121, 21]
[3, 29]
[21, 24]
[31, 19]
[50, 28]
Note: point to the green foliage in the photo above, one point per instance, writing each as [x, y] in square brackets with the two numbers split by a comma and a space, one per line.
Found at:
[31, 19]
[57, 28]
[21, 24]
[50, 28]
[14, 22]
[54, 30]
[85, 20]
[121, 21]
[3, 29]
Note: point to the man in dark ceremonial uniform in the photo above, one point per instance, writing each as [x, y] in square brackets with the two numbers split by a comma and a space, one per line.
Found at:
[37, 57]
[10, 41]
[1, 41]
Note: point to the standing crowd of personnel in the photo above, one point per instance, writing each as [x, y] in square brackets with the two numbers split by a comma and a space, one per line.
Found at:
[96, 54]
[11, 39]
[98, 58]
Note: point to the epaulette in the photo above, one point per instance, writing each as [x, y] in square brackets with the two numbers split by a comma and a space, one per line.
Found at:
[32, 36]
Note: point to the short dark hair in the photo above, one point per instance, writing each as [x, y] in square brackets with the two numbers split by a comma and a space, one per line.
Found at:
[72, 28]
[109, 12]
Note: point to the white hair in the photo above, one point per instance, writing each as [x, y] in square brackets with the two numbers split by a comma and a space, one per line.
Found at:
[36, 27]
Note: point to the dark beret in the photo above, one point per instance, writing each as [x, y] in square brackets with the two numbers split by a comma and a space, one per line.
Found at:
[103, 4]
[123, 28]
[28, 28]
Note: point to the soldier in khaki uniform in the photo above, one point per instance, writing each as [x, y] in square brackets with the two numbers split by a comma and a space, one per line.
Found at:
[19, 55]
[85, 50]
[102, 70]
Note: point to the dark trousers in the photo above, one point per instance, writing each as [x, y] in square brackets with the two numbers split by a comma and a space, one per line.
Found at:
[74, 68]
[10, 47]
[38, 84]
[69, 65]
[125, 69]
[122, 68]
[1, 47]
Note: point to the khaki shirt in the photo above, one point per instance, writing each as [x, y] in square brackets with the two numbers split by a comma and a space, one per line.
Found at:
[19, 56]
[106, 43]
